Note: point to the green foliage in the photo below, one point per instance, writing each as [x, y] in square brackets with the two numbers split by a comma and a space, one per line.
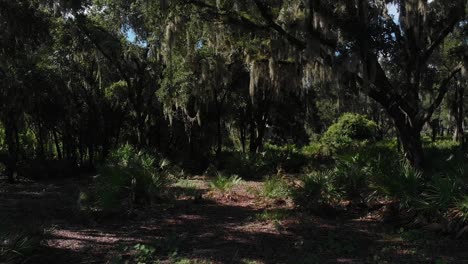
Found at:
[223, 183]
[313, 149]
[272, 215]
[143, 253]
[349, 131]
[17, 245]
[403, 183]
[288, 158]
[442, 192]
[442, 155]
[461, 207]
[162, 250]
[129, 177]
[317, 189]
[275, 187]
[352, 175]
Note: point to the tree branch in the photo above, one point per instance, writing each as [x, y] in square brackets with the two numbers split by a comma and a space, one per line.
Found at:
[266, 14]
[86, 32]
[455, 16]
[443, 89]
[231, 17]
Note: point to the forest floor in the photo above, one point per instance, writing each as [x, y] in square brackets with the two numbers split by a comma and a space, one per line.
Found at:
[237, 227]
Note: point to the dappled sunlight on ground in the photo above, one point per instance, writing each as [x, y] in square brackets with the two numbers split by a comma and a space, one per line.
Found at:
[219, 228]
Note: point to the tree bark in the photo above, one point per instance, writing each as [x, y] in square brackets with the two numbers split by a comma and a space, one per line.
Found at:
[410, 138]
[57, 145]
[219, 134]
[459, 135]
[12, 145]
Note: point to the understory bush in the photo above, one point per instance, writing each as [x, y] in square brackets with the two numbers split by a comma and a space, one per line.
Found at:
[130, 177]
[16, 246]
[369, 171]
[352, 176]
[443, 155]
[275, 187]
[223, 183]
[351, 130]
[461, 209]
[442, 192]
[439, 198]
[399, 181]
[287, 158]
[317, 189]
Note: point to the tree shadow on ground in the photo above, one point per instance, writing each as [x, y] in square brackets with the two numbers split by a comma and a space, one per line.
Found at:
[223, 233]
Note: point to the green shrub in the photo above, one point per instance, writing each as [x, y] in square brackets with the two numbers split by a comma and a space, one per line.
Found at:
[275, 187]
[352, 175]
[442, 193]
[256, 165]
[223, 183]
[247, 166]
[144, 253]
[461, 208]
[317, 189]
[313, 149]
[399, 181]
[287, 157]
[130, 177]
[350, 130]
[16, 246]
[442, 155]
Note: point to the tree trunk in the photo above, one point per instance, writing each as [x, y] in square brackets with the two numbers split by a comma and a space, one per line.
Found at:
[40, 139]
[412, 144]
[434, 124]
[252, 128]
[219, 134]
[12, 145]
[261, 133]
[458, 135]
[252, 141]
[242, 137]
[57, 145]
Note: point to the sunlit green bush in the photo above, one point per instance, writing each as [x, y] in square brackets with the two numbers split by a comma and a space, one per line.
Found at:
[275, 187]
[350, 130]
[223, 183]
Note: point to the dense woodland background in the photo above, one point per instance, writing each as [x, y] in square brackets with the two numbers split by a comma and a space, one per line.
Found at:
[349, 100]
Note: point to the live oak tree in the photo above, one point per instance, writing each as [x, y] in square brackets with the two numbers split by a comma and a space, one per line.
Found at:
[391, 59]
[204, 76]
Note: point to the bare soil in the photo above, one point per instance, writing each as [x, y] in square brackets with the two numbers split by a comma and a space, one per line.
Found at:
[214, 228]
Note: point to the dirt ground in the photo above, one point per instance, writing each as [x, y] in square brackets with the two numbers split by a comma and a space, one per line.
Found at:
[214, 228]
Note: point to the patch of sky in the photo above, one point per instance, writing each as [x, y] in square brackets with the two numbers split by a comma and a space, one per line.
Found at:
[133, 38]
[199, 44]
[394, 12]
